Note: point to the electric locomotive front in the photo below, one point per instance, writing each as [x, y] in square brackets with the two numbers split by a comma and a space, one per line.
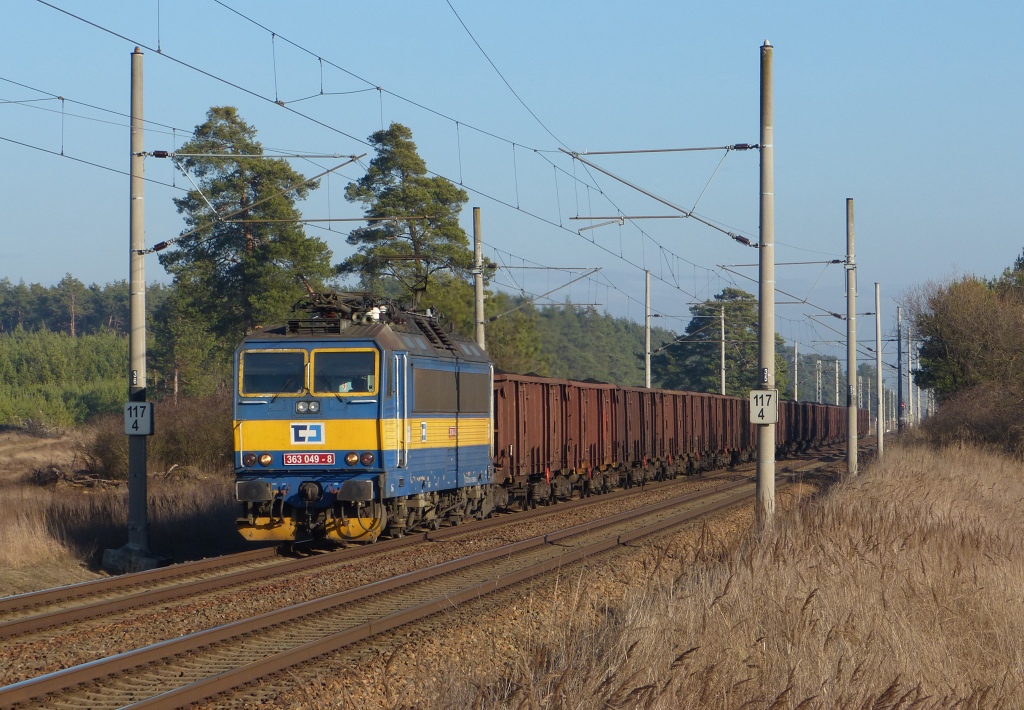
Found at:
[324, 445]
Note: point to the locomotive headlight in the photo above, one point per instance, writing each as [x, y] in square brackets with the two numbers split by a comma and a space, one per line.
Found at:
[266, 459]
[249, 460]
[314, 407]
[352, 458]
[301, 407]
[366, 459]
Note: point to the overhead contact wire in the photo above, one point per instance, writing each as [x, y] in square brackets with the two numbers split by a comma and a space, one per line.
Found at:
[329, 127]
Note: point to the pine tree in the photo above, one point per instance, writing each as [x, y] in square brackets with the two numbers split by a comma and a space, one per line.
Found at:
[239, 273]
[413, 231]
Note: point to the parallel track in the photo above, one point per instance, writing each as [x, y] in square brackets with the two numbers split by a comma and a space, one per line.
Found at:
[177, 672]
[46, 609]
[217, 659]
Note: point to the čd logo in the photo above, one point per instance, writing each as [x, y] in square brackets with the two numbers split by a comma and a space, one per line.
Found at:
[307, 432]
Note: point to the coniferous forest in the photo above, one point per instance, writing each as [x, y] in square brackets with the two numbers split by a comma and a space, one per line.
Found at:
[64, 349]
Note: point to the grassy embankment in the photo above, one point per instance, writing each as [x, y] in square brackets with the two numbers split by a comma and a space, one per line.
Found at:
[902, 588]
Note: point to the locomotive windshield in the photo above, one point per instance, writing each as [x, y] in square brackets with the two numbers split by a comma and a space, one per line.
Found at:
[272, 372]
[344, 371]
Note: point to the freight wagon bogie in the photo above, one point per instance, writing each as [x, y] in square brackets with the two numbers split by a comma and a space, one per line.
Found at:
[426, 511]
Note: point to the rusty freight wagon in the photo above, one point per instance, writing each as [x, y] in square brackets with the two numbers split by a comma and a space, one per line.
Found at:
[554, 437]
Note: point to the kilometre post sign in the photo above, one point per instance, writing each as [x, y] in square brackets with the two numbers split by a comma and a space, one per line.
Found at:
[764, 406]
[138, 419]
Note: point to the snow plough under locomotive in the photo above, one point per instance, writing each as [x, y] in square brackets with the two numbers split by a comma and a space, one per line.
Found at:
[357, 418]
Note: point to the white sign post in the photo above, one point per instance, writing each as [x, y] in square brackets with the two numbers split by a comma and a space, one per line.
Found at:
[764, 406]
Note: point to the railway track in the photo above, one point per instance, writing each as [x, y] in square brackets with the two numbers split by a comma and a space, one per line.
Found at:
[38, 611]
[28, 613]
[184, 670]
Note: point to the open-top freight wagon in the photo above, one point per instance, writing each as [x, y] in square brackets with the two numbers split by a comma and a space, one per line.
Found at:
[593, 436]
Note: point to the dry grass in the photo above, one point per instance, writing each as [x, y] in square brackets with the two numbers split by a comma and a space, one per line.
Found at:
[902, 589]
[57, 534]
[31, 557]
[24, 538]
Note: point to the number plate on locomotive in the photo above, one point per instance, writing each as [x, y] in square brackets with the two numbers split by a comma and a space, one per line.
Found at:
[309, 459]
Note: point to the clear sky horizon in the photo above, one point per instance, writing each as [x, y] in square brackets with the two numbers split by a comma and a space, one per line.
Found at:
[912, 109]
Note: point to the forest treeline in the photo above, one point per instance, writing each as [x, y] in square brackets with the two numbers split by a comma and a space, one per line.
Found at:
[51, 378]
[244, 258]
[63, 348]
[70, 306]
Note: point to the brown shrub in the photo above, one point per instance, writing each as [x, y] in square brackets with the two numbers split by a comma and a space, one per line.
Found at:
[988, 414]
[194, 432]
[103, 447]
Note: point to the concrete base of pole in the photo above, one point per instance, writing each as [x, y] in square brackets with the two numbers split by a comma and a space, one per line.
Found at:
[132, 559]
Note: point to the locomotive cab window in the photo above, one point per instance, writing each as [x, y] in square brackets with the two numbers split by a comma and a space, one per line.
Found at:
[263, 372]
[345, 372]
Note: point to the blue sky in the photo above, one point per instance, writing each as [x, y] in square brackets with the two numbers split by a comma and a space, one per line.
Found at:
[912, 109]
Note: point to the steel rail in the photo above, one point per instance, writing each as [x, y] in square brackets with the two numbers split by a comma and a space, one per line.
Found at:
[222, 682]
[109, 584]
[61, 617]
[229, 680]
[82, 612]
[95, 670]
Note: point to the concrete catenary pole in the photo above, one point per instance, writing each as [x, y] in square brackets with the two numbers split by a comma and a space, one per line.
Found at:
[910, 379]
[478, 278]
[765, 508]
[721, 347]
[138, 521]
[921, 412]
[796, 373]
[851, 345]
[899, 368]
[880, 418]
[836, 401]
[647, 329]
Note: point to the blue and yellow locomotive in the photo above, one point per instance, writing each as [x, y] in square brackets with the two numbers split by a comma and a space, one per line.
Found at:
[356, 417]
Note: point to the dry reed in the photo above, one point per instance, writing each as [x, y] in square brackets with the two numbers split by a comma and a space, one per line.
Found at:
[903, 588]
[65, 527]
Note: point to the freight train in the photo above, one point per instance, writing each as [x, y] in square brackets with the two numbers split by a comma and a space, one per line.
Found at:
[357, 419]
